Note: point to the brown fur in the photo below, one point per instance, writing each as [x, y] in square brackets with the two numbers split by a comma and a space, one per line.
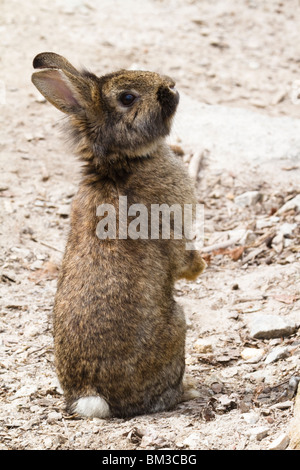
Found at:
[118, 332]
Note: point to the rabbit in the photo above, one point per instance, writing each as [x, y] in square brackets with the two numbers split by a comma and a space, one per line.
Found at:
[119, 335]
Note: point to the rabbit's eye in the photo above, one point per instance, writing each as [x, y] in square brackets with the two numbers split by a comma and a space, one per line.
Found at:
[127, 99]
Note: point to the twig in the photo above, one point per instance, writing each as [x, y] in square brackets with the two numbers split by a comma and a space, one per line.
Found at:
[47, 245]
[67, 433]
[219, 246]
[232, 241]
[269, 234]
[195, 163]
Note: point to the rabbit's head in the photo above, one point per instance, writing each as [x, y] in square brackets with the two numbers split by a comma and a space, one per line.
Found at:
[125, 113]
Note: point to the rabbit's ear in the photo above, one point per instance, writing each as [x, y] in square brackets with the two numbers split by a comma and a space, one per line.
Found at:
[60, 90]
[61, 84]
[50, 60]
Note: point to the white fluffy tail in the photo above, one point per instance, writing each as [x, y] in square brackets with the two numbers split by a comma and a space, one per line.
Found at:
[92, 407]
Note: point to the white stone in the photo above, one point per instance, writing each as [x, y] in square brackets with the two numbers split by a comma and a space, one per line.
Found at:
[193, 441]
[249, 198]
[287, 229]
[251, 417]
[259, 433]
[269, 222]
[203, 346]
[280, 352]
[270, 326]
[48, 442]
[53, 417]
[26, 391]
[291, 204]
[252, 355]
[31, 330]
[280, 443]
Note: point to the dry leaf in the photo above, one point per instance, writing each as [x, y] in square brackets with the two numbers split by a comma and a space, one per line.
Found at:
[207, 258]
[236, 253]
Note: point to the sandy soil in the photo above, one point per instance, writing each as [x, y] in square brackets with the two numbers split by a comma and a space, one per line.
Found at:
[242, 55]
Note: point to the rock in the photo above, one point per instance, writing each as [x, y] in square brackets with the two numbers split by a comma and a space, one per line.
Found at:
[249, 198]
[259, 433]
[26, 391]
[251, 417]
[195, 163]
[31, 330]
[48, 442]
[252, 355]
[282, 405]
[135, 435]
[293, 385]
[151, 439]
[37, 264]
[266, 222]
[287, 242]
[294, 431]
[270, 326]
[193, 441]
[280, 352]
[287, 229]
[217, 387]
[39, 203]
[53, 417]
[225, 403]
[203, 346]
[280, 443]
[277, 242]
[291, 204]
[28, 136]
[8, 275]
[64, 210]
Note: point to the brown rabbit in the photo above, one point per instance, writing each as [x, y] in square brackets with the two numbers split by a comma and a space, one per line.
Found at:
[119, 335]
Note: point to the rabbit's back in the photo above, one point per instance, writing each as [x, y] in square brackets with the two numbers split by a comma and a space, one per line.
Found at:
[115, 299]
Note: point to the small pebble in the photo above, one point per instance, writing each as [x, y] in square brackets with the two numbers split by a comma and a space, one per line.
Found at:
[48, 442]
[251, 417]
[53, 417]
[277, 353]
[259, 433]
[282, 405]
[203, 346]
[193, 441]
[291, 204]
[293, 384]
[270, 326]
[280, 443]
[252, 355]
[248, 198]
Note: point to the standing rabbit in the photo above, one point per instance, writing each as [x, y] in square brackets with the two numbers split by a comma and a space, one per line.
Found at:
[119, 335]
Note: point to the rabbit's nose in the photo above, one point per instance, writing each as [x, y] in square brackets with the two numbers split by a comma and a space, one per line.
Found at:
[168, 98]
[174, 90]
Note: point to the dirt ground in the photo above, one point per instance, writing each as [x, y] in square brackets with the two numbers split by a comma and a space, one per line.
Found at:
[242, 55]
